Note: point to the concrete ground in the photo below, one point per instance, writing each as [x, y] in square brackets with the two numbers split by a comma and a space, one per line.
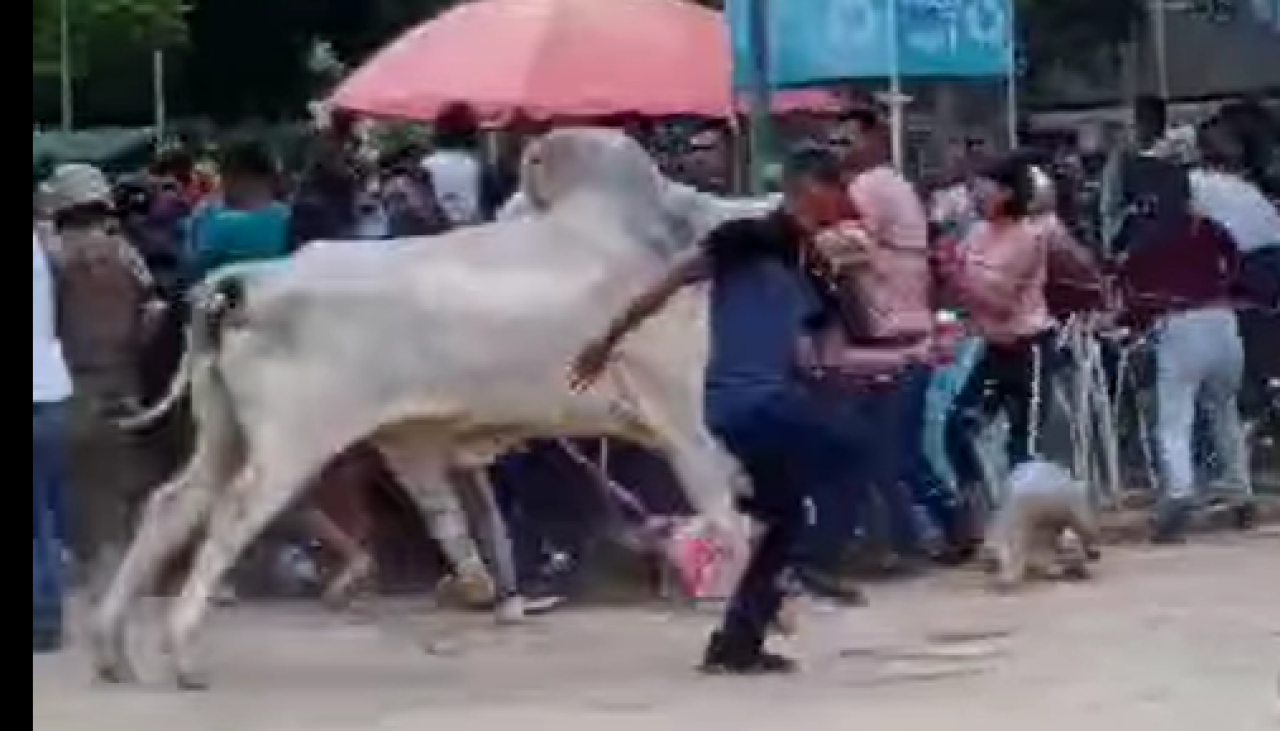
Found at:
[1163, 640]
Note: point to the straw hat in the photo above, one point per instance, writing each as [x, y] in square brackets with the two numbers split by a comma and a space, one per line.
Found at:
[75, 184]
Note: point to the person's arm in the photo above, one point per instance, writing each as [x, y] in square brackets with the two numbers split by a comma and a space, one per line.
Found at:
[1111, 204]
[688, 270]
[867, 200]
[993, 284]
[133, 262]
[724, 247]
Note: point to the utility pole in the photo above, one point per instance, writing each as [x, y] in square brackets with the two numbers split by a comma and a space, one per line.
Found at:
[760, 131]
[64, 66]
[158, 101]
[1156, 10]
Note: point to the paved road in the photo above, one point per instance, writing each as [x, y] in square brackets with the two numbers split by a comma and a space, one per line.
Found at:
[1164, 640]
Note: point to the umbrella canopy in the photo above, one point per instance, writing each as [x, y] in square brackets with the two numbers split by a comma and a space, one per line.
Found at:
[558, 59]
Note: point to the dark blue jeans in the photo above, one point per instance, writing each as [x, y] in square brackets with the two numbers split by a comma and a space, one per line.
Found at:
[792, 447]
[48, 483]
[549, 509]
[881, 416]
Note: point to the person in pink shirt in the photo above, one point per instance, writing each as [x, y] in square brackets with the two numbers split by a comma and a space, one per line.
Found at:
[884, 357]
[998, 275]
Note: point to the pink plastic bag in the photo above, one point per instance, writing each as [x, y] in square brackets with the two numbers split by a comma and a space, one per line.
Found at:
[706, 567]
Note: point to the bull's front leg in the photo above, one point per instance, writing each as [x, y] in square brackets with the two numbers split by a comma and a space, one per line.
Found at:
[707, 476]
[170, 518]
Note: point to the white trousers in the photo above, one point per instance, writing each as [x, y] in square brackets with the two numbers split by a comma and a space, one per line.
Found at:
[1199, 368]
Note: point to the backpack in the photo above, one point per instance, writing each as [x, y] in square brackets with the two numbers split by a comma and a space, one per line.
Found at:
[1156, 193]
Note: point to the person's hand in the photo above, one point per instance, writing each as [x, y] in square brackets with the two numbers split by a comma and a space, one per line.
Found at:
[590, 364]
[153, 314]
[846, 244]
[807, 358]
[946, 257]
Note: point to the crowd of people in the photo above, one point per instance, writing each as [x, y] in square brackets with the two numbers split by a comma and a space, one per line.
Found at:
[824, 330]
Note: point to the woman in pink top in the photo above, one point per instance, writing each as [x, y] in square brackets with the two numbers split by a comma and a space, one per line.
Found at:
[998, 276]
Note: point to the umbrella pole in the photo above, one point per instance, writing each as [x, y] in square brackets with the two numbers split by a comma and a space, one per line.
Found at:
[760, 131]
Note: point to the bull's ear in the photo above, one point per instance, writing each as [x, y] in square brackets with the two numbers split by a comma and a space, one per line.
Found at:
[550, 169]
[533, 174]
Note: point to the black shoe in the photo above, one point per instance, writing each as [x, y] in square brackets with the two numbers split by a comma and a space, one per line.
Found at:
[723, 658]
[958, 552]
[1171, 522]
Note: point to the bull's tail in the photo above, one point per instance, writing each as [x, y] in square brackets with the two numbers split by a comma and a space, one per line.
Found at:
[178, 386]
[212, 306]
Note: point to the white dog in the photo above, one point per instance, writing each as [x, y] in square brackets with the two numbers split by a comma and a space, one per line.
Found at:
[1045, 522]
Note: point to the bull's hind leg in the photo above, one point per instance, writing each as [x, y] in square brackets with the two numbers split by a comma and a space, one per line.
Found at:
[258, 495]
[422, 469]
[170, 519]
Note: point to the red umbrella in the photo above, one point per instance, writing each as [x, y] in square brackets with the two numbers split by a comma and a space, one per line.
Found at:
[558, 59]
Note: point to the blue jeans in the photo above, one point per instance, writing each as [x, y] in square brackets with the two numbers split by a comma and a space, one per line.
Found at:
[542, 497]
[48, 483]
[792, 448]
[940, 503]
[883, 415]
[1200, 366]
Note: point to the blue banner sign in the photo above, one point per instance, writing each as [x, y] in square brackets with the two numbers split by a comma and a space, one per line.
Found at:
[812, 42]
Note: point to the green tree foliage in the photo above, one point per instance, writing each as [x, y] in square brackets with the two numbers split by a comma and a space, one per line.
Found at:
[110, 47]
[100, 26]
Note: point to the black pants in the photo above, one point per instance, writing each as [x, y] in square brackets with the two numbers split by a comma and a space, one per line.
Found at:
[791, 445]
[1259, 276]
[1013, 378]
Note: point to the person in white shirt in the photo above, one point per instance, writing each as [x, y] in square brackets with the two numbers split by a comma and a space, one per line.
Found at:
[50, 388]
[1221, 192]
[455, 166]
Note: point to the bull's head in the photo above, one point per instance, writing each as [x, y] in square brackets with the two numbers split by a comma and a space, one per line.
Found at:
[609, 165]
[567, 162]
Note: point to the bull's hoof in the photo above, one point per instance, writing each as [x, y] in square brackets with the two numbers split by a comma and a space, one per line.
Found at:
[115, 672]
[476, 589]
[349, 584]
[190, 680]
[111, 663]
[185, 672]
[186, 675]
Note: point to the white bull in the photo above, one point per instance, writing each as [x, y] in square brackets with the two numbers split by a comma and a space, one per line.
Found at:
[431, 348]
